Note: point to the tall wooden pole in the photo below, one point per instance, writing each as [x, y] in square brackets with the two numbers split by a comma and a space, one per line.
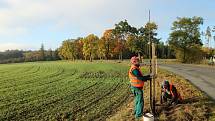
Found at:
[150, 60]
[154, 70]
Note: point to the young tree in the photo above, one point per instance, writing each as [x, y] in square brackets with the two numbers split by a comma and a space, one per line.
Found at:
[208, 36]
[42, 52]
[185, 38]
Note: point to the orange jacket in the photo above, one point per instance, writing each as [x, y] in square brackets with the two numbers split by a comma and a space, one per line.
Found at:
[178, 94]
[133, 79]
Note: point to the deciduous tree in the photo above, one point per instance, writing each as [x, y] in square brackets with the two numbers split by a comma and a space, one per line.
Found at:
[90, 46]
[185, 37]
[68, 50]
[107, 41]
[121, 31]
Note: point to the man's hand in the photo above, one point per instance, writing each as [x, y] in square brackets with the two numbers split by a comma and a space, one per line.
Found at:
[146, 77]
[151, 75]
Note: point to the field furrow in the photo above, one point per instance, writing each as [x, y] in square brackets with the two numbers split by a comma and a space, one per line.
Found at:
[61, 90]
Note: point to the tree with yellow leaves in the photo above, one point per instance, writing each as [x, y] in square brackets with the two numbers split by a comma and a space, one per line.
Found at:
[90, 46]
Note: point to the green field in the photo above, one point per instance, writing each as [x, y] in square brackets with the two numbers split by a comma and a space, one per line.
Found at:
[61, 90]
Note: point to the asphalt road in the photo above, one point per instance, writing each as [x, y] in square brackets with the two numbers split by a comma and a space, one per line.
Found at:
[202, 77]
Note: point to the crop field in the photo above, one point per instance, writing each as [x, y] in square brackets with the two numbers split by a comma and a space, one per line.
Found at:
[86, 91]
[61, 90]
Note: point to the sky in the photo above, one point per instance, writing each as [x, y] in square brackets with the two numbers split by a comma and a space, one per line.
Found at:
[26, 24]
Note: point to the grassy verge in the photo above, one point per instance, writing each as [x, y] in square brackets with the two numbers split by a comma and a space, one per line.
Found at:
[196, 105]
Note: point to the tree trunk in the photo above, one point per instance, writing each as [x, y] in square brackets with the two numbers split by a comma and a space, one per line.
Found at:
[108, 51]
[146, 51]
[121, 56]
[139, 56]
[184, 56]
[91, 57]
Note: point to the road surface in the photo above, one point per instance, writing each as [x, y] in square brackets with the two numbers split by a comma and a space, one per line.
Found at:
[202, 77]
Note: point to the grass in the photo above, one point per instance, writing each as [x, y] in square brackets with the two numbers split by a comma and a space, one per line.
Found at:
[61, 90]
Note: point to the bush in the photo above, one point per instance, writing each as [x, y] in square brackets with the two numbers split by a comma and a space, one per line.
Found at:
[192, 55]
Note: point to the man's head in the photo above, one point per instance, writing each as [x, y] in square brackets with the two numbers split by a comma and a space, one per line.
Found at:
[166, 84]
[135, 61]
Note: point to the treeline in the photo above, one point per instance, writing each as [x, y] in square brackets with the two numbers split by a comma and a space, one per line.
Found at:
[17, 56]
[120, 42]
[123, 41]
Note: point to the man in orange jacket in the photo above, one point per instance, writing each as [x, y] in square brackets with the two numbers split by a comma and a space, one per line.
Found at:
[137, 82]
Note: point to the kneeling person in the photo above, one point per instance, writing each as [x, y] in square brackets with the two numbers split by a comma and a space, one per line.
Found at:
[169, 91]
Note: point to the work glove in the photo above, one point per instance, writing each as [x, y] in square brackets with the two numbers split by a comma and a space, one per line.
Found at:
[148, 77]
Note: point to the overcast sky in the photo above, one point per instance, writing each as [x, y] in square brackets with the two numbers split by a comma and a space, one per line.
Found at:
[25, 24]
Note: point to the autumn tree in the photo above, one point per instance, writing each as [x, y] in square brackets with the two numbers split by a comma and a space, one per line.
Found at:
[79, 47]
[106, 44]
[90, 46]
[122, 41]
[121, 31]
[68, 50]
[101, 48]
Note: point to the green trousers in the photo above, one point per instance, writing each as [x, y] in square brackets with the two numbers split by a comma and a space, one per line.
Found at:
[138, 101]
